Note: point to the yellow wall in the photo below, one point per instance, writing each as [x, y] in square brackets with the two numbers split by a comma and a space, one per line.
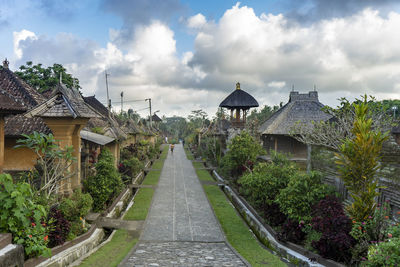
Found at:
[17, 159]
[114, 149]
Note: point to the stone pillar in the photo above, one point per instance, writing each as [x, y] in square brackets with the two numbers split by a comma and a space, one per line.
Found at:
[66, 131]
[1, 143]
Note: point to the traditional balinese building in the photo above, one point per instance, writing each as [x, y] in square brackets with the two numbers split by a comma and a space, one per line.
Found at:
[26, 97]
[277, 131]
[66, 114]
[238, 102]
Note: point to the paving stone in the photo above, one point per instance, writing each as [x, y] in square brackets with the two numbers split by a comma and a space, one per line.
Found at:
[181, 229]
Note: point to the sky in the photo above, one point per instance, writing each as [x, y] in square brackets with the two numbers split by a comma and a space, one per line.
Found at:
[188, 55]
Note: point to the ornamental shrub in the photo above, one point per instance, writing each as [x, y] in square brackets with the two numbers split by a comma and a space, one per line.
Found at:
[384, 254]
[76, 206]
[59, 226]
[292, 231]
[106, 184]
[130, 168]
[331, 221]
[358, 163]
[242, 154]
[263, 184]
[302, 192]
[22, 217]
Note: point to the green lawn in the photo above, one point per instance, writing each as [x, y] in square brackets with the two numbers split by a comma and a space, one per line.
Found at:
[112, 253]
[164, 153]
[189, 155]
[158, 164]
[198, 165]
[142, 201]
[236, 230]
[204, 175]
[152, 177]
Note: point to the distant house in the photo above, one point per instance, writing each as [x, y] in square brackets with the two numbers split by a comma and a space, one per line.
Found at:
[277, 130]
[238, 102]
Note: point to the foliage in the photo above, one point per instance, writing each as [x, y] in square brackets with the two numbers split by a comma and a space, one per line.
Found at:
[77, 228]
[384, 254]
[373, 230]
[242, 153]
[76, 206]
[53, 162]
[302, 192]
[292, 231]
[359, 162]
[142, 205]
[46, 78]
[106, 183]
[211, 149]
[263, 184]
[129, 168]
[21, 217]
[139, 150]
[330, 220]
[60, 227]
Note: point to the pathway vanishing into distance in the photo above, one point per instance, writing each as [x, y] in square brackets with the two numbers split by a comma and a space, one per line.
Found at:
[181, 229]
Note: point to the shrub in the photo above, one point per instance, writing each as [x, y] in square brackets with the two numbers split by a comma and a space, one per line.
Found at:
[60, 227]
[77, 206]
[292, 231]
[106, 183]
[242, 154]
[359, 162]
[302, 192]
[373, 230]
[384, 254]
[330, 220]
[263, 184]
[22, 217]
[130, 168]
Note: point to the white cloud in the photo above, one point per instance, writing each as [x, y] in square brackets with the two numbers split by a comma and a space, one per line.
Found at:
[344, 57]
[21, 36]
[197, 21]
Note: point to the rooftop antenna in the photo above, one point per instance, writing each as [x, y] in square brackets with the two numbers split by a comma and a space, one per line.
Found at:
[60, 77]
[108, 98]
[122, 100]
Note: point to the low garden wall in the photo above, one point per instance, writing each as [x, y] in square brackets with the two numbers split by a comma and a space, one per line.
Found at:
[290, 251]
[10, 254]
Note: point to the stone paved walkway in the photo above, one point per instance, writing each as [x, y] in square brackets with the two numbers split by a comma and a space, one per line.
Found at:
[181, 229]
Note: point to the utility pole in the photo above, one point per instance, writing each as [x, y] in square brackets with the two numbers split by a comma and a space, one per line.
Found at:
[122, 101]
[108, 98]
[151, 119]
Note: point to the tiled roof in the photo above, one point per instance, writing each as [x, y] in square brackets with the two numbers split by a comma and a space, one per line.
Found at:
[96, 104]
[18, 125]
[65, 103]
[19, 89]
[10, 105]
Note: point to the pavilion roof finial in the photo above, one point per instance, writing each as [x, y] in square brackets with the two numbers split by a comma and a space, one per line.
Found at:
[6, 63]
[237, 86]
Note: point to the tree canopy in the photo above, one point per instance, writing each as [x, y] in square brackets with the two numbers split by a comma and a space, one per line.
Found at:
[43, 78]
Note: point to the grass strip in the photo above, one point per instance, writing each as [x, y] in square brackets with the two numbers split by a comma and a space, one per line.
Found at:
[158, 164]
[189, 155]
[236, 230]
[204, 175]
[198, 165]
[112, 253]
[152, 177]
[138, 211]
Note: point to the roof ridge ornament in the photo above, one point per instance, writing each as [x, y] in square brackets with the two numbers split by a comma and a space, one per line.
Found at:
[6, 63]
[237, 86]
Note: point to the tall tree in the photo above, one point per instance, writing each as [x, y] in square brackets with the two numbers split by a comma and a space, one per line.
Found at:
[43, 78]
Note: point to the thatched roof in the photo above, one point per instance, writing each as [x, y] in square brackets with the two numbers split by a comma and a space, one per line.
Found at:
[301, 108]
[239, 99]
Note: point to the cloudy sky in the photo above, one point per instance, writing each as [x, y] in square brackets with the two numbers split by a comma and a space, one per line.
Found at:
[188, 55]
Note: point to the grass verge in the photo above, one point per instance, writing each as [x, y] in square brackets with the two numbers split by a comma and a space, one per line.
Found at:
[139, 210]
[198, 165]
[236, 230]
[152, 177]
[112, 253]
[204, 175]
[158, 164]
